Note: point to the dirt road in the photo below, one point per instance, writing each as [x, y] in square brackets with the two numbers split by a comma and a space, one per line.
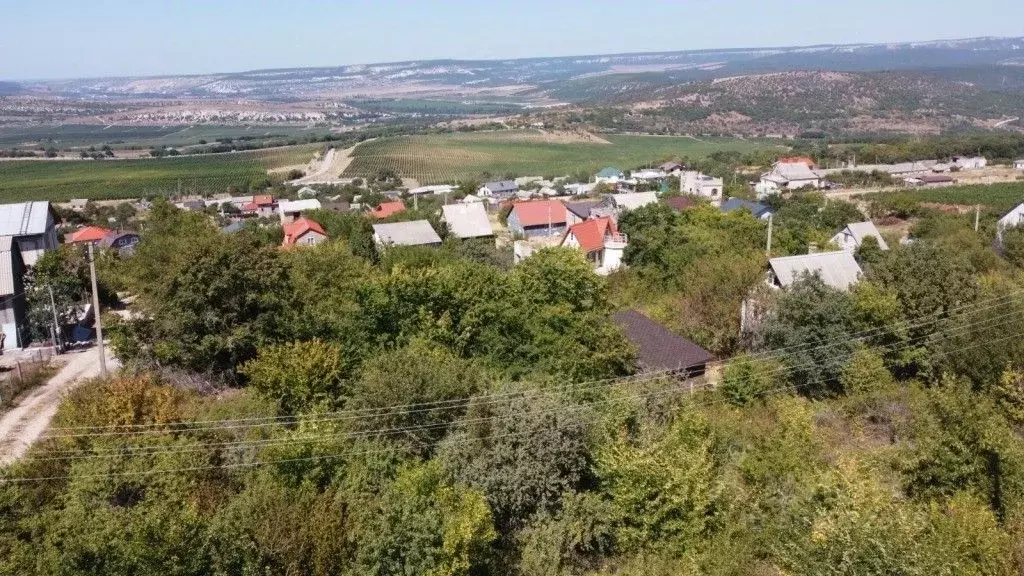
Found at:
[328, 170]
[25, 423]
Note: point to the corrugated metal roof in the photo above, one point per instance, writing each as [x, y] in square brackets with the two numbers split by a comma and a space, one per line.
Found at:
[414, 233]
[501, 186]
[755, 208]
[836, 269]
[467, 220]
[23, 218]
[6, 265]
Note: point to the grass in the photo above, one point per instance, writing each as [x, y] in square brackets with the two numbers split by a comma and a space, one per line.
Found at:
[61, 180]
[438, 158]
[1000, 197]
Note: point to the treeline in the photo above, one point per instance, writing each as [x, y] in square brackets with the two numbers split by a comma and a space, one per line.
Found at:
[995, 146]
[423, 411]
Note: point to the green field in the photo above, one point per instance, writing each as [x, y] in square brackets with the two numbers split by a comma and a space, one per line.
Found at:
[1000, 197]
[82, 136]
[60, 180]
[440, 158]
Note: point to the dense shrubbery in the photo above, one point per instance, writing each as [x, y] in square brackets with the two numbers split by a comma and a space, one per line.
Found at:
[874, 431]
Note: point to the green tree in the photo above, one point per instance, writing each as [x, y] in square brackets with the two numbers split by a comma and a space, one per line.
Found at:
[301, 375]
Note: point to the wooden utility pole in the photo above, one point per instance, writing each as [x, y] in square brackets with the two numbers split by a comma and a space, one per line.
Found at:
[768, 248]
[977, 216]
[56, 324]
[96, 312]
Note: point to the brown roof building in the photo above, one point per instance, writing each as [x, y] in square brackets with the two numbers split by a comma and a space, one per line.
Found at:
[658, 348]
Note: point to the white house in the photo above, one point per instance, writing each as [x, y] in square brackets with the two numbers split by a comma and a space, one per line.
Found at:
[648, 175]
[1018, 164]
[851, 237]
[609, 176]
[498, 189]
[790, 176]
[836, 269]
[1013, 219]
[577, 189]
[33, 227]
[600, 241]
[697, 184]
[970, 162]
[292, 209]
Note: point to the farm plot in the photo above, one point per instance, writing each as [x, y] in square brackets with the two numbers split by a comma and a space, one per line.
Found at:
[442, 158]
[60, 180]
[999, 197]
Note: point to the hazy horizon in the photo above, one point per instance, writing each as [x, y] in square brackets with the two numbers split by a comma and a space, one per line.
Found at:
[117, 38]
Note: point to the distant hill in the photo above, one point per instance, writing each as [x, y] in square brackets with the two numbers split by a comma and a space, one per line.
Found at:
[9, 88]
[543, 78]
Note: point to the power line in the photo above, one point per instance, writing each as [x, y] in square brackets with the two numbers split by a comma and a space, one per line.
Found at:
[453, 404]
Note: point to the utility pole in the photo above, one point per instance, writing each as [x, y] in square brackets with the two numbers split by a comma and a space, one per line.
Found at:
[768, 248]
[977, 215]
[56, 324]
[96, 312]
[416, 202]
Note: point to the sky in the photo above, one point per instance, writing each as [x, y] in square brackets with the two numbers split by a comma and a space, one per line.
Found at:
[49, 39]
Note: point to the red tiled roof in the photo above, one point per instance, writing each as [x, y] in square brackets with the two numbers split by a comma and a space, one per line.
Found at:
[298, 228]
[250, 207]
[591, 233]
[263, 200]
[89, 234]
[539, 212]
[388, 208]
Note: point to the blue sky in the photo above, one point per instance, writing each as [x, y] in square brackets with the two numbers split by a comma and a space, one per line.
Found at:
[81, 38]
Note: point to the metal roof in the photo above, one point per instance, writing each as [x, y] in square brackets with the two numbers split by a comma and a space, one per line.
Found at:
[291, 206]
[755, 208]
[413, 233]
[836, 269]
[633, 200]
[861, 230]
[467, 220]
[7, 247]
[23, 218]
[500, 186]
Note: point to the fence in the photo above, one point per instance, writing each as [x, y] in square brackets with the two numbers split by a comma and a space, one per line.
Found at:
[29, 371]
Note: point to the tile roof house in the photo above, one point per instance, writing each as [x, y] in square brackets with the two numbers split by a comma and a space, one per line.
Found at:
[633, 200]
[679, 203]
[413, 233]
[658, 348]
[600, 240]
[467, 220]
[32, 225]
[851, 237]
[303, 232]
[387, 209]
[88, 235]
[13, 306]
[836, 269]
[538, 218]
[759, 211]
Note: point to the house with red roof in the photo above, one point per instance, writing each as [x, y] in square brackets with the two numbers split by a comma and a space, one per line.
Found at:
[87, 235]
[262, 206]
[386, 209]
[303, 232]
[538, 218]
[600, 240]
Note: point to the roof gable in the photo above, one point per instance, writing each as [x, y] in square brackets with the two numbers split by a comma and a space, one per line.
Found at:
[836, 269]
[386, 209]
[89, 234]
[467, 220]
[590, 235]
[412, 233]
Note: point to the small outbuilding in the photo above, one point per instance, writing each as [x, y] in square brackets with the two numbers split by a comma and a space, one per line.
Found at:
[412, 233]
[659, 349]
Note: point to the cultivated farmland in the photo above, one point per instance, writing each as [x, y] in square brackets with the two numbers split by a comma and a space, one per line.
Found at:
[439, 158]
[1000, 197]
[60, 180]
